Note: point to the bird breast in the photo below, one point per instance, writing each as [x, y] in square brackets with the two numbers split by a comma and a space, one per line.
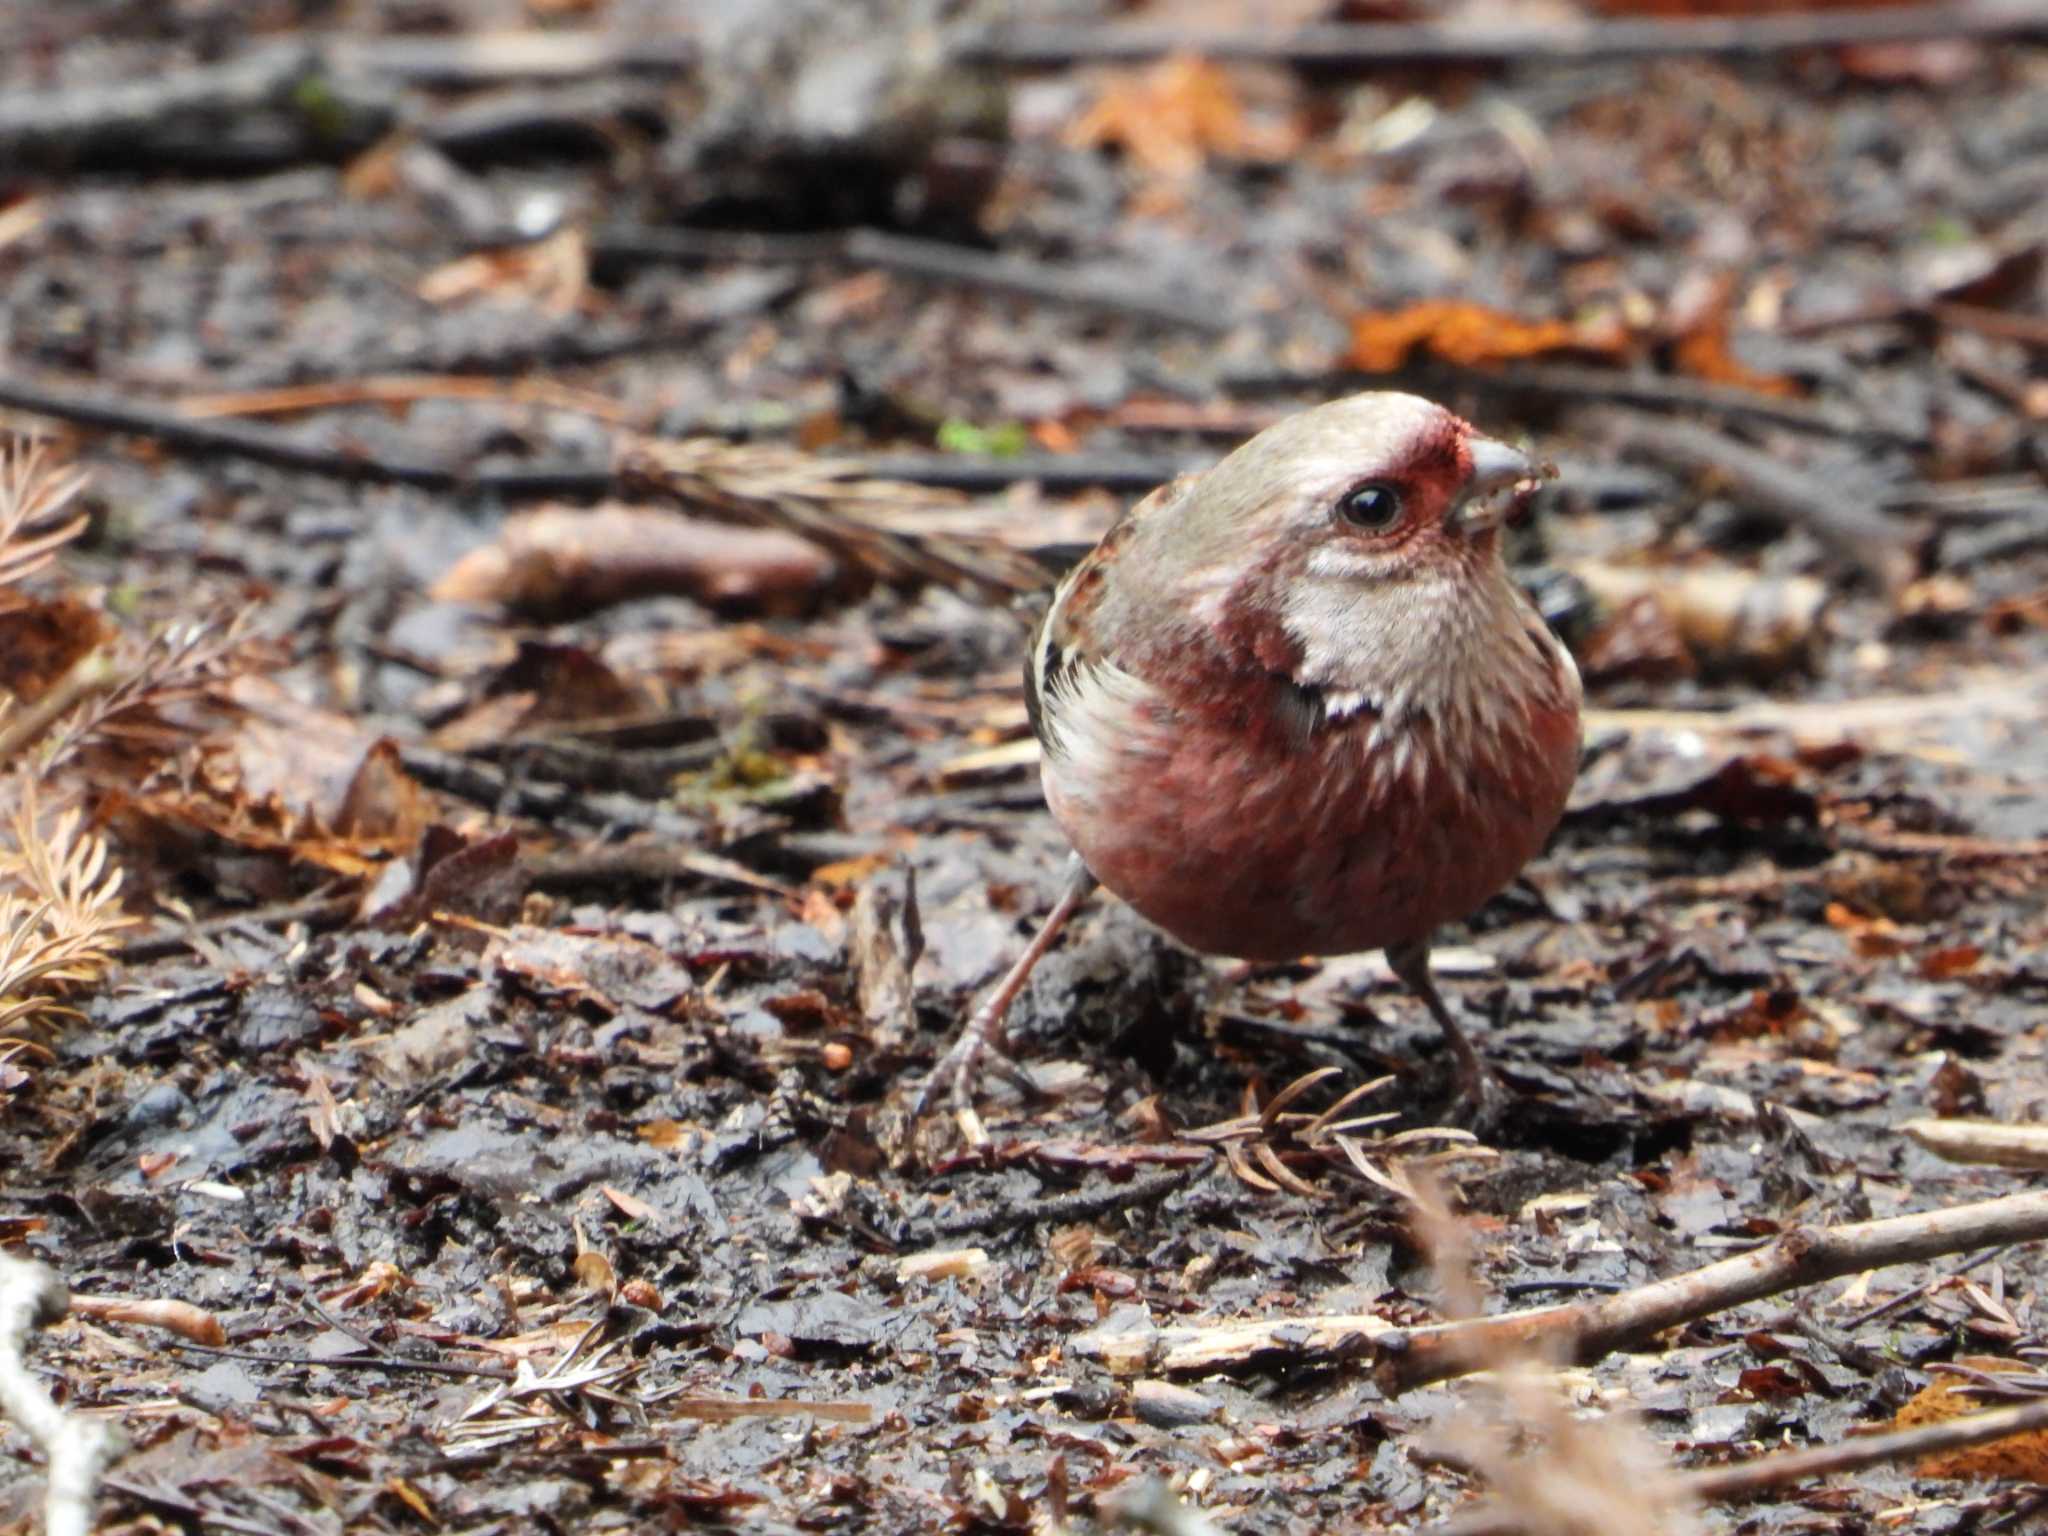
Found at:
[1283, 824]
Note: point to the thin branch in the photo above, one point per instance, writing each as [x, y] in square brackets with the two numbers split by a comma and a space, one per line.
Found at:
[1768, 1472]
[78, 1450]
[1584, 1331]
[1382, 45]
[1849, 525]
[932, 261]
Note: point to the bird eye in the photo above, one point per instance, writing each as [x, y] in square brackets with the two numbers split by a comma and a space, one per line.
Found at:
[1373, 506]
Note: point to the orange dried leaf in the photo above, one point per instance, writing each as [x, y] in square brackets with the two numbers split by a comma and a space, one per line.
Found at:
[1704, 353]
[1471, 335]
[2023, 1457]
[1173, 116]
[1955, 960]
[179, 1317]
[552, 274]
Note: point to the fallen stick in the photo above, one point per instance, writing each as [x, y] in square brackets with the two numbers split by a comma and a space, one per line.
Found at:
[1584, 1331]
[1982, 1141]
[1767, 1472]
[1578, 1332]
[280, 450]
[930, 261]
[78, 1450]
[1548, 386]
[1849, 525]
[1380, 45]
[1879, 721]
[173, 427]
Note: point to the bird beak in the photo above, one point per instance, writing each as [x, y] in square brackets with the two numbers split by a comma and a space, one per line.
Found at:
[1495, 467]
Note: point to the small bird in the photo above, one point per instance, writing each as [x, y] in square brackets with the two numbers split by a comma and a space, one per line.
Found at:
[1293, 705]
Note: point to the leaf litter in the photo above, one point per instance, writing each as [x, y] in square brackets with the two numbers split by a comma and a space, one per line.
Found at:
[507, 955]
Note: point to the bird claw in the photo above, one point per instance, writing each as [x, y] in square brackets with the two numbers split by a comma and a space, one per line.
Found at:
[1483, 1101]
[975, 1054]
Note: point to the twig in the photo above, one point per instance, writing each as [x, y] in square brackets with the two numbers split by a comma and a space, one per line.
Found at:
[611, 863]
[1805, 1256]
[78, 1450]
[1581, 1331]
[93, 673]
[404, 389]
[1853, 531]
[1982, 1141]
[1081, 1206]
[1769, 1472]
[268, 107]
[1379, 45]
[170, 426]
[323, 909]
[382, 1360]
[262, 445]
[932, 260]
[2028, 330]
[1878, 721]
[1057, 472]
[1907, 1297]
[496, 790]
[470, 60]
[835, 504]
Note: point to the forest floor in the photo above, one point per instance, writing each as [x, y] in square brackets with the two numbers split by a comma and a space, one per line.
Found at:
[547, 900]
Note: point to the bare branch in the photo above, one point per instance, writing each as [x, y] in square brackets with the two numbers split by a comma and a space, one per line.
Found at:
[1587, 1330]
[79, 1450]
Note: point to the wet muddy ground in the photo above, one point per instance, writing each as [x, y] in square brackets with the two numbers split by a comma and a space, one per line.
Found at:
[543, 928]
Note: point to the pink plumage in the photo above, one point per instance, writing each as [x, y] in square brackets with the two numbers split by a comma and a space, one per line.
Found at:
[1294, 705]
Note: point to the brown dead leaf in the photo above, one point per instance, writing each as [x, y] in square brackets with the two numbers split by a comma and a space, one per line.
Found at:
[632, 1207]
[1170, 118]
[383, 803]
[1872, 936]
[551, 274]
[1951, 961]
[41, 641]
[380, 1278]
[594, 1272]
[1698, 318]
[179, 1317]
[323, 1115]
[413, 1500]
[1470, 335]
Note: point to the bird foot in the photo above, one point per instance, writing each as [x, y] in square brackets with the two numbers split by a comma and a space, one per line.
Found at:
[1483, 1101]
[958, 1072]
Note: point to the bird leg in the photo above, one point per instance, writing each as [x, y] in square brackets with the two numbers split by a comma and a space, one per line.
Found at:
[1479, 1091]
[981, 1041]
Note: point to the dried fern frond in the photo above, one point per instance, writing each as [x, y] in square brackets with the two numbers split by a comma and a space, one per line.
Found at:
[179, 662]
[60, 912]
[34, 491]
[867, 522]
